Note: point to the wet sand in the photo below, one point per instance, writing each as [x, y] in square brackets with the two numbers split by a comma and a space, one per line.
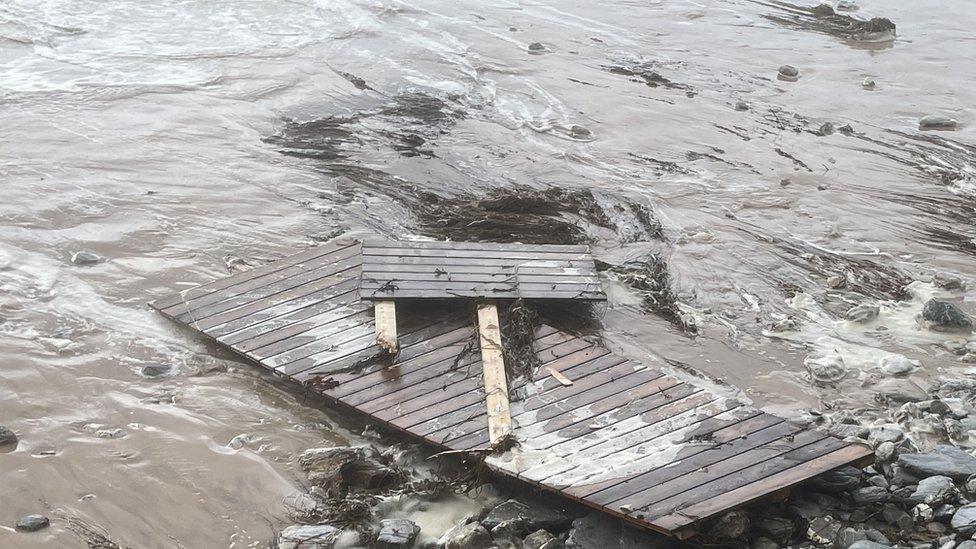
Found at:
[154, 137]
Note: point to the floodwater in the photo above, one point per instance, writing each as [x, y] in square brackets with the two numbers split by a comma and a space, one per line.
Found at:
[179, 139]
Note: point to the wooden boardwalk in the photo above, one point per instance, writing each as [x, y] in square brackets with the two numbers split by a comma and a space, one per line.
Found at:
[630, 440]
[405, 270]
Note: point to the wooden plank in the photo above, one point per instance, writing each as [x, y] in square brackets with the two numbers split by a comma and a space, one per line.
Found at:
[475, 293]
[323, 301]
[385, 319]
[371, 254]
[493, 370]
[514, 263]
[376, 279]
[491, 246]
[378, 270]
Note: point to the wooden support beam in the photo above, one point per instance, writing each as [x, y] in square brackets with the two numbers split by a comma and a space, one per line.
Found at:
[493, 371]
[386, 329]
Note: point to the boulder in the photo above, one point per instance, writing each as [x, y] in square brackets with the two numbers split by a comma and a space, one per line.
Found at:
[347, 467]
[32, 523]
[466, 536]
[840, 480]
[308, 536]
[869, 495]
[601, 531]
[532, 518]
[540, 539]
[943, 316]
[894, 516]
[778, 529]
[765, 543]
[847, 536]
[396, 534]
[943, 460]
[934, 490]
[886, 433]
[964, 519]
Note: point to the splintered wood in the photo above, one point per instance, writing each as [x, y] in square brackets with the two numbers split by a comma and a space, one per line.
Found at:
[493, 371]
[384, 312]
[614, 434]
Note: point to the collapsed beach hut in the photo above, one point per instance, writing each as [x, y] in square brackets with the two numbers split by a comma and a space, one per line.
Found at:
[408, 334]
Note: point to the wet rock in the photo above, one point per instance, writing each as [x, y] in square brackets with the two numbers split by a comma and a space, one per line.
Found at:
[868, 544]
[396, 534]
[7, 437]
[863, 313]
[944, 513]
[540, 539]
[601, 531]
[85, 258]
[843, 430]
[156, 370]
[826, 369]
[32, 523]
[868, 83]
[943, 460]
[885, 434]
[110, 433]
[846, 5]
[741, 106]
[308, 536]
[894, 516]
[344, 467]
[779, 529]
[764, 543]
[509, 530]
[968, 544]
[943, 316]
[848, 536]
[841, 480]
[532, 518]
[899, 365]
[466, 536]
[936, 122]
[536, 47]
[922, 512]
[885, 452]
[836, 281]
[899, 476]
[934, 490]
[579, 132]
[788, 73]
[731, 525]
[964, 520]
[869, 495]
[948, 282]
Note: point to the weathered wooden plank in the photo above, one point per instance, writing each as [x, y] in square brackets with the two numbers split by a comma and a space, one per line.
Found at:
[373, 255]
[373, 263]
[376, 279]
[377, 270]
[386, 327]
[244, 328]
[493, 370]
[475, 293]
[282, 328]
[487, 288]
[491, 246]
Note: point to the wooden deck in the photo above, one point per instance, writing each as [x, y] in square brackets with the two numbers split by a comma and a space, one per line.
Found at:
[627, 439]
[406, 270]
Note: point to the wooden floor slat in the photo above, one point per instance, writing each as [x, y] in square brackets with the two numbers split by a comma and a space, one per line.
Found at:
[662, 452]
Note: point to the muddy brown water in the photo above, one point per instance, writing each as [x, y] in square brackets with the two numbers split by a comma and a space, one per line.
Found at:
[171, 138]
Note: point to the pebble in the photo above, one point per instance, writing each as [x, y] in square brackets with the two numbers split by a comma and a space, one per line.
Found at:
[741, 106]
[7, 437]
[788, 73]
[85, 258]
[936, 122]
[536, 46]
[868, 83]
[922, 513]
[862, 313]
[155, 370]
[32, 523]
[868, 544]
[885, 452]
[846, 5]
[894, 516]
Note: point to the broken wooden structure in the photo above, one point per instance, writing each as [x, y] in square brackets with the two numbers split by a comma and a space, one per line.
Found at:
[609, 432]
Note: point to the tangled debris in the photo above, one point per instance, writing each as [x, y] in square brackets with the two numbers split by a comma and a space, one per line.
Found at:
[824, 19]
[651, 278]
[518, 336]
[646, 72]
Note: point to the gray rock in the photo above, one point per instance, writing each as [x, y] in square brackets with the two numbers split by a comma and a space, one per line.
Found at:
[396, 534]
[32, 523]
[308, 536]
[540, 539]
[948, 281]
[601, 531]
[741, 106]
[943, 460]
[848, 536]
[934, 490]
[894, 516]
[156, 370]
[899, 476]
[885, 452]
[869, 495]
[922, 513]
[868, 544]
[7, 437]
[885, 434]
[968, 544]
[731, 525]
[868, 83]
[533, 518]
[844, 430]
[85, 258]
[899, 365]
[776, 528]
[347, 466]
[936, 122]
[944, 513]
[964, 520]
[788, 72]
[466, 536]
[844, 479]
[536, 46]
[943, 316]
[862, 313]
[510, 530]
[765, 543]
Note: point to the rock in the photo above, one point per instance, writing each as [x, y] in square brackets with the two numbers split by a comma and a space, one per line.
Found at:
[885, 433]
[466, 536]
[32, 523]
[536, 46]
[868, 544]
[741, 106]
[776, 528]
[934, 490]
[510, 530]
[788, 73]
[899, 365]
[308, 536]
[943, 316]
[964, 520]
[540, 539]
[885, 452]
[840, 480]
[968, 544]
[862, 313]
[396, 534]
[943, 460]
[900, 476]
[846, 5]
[533, 518]
[944, 513]
[7, 437]
[731, 525]
[848, 536]
[347, 466]
[765, 543]
[155, 370]
[894, 516]
[579, 132]
[844, 430]
[85, 258]
[948, 282]
[922, 513]
[835, 281]
[601, 531]
[869, 495]
[868, 83]
[936, 122]
[826, 369]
